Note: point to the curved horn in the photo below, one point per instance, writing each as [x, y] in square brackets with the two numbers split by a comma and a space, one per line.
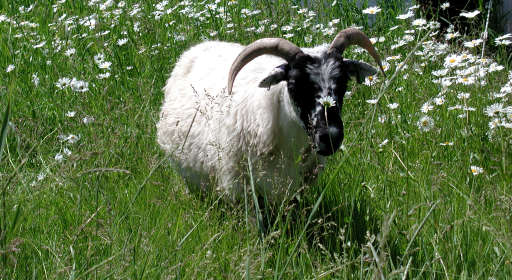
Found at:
[274, 46]
[353, 36]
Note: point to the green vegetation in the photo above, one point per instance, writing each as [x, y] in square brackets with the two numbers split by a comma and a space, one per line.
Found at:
[420, 189]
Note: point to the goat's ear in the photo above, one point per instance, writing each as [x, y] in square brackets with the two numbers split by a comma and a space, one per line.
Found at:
[359, 70]
[277, 75]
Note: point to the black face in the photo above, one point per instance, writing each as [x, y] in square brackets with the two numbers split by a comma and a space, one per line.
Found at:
[313, 83]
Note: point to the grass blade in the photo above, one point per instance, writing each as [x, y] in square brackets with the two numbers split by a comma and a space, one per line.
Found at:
[5, 127]
[315, 208]
[255, 199]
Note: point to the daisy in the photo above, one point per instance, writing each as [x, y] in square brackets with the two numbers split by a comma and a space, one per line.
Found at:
[473, 43]
[494, 123]
[122, 41]
[327, 101]
[393, 106]
[439, 100]
[406, 16]
[451, 35]
[463, 95]
[70, 52]
[419, 22]
[10, 68]
[475, 170]
[59, 157]
[493, 109]
[425, 123]
[427, 107]
[372, 10]
[383, 143]
[452, 60]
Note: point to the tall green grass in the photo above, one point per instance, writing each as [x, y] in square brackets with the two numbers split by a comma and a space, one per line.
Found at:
[110, 205]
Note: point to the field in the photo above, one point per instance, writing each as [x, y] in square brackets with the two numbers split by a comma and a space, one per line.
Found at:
[421, 188]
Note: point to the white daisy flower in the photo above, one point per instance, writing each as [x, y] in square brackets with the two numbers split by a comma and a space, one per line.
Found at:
[475, 170]
[327, 101]
[372, 10]
[425, 123]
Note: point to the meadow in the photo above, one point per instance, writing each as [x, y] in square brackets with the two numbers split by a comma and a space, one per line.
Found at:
[421, 188]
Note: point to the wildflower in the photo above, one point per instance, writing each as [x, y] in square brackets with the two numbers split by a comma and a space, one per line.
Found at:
[79, 86]
[10, 68]
[39, 45]
[494, 123]
[463, 95]
[473, 43]
[493, 109]
[102, 76]
[72, 138]
[383, 143]
[372, 10]
[441, 72]
[475, 170]
[470, 14]
[427, 107]
[104, 65]
[372, 101]
[495, 67]
[35, 79]
[451, 35]
[446, 143]
[452, 60]
[503, 42]
[425, 123]
[439, 100]
[393, 57]
[41, 176]
[122, 41]
[409, 14]
[88, 119]
[63, 82]
[370, 80]
[59, 157]
[393, 106]
[70, 114]
[469, 80]
[446, 82]
[445, 5]
[286, 28]
[377, 40]
[99, 58]
[506, 89]
[419, 22]
[70, 52]
[327, 101]
[382, 118]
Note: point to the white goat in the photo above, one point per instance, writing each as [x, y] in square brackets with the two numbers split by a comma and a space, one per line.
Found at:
[276, 120]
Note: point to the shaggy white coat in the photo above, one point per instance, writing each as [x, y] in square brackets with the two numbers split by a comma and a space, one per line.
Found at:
[210, 134]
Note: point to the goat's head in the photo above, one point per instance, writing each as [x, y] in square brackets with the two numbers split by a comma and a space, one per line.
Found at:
[311, 80]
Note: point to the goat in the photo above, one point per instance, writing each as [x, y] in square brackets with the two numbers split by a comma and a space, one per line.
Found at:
[283, 117]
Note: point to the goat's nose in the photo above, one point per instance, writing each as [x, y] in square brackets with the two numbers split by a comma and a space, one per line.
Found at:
[329, 141]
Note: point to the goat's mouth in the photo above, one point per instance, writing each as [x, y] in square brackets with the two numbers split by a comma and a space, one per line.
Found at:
[328, 140]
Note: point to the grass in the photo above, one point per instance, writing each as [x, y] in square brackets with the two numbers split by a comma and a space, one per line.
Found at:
[98, 199]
